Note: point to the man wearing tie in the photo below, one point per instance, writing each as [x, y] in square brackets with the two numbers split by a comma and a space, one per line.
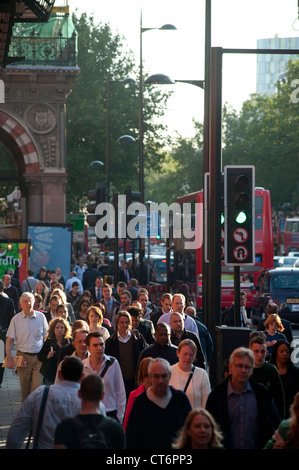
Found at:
[96, 291]
[125, 274]
[244, 321]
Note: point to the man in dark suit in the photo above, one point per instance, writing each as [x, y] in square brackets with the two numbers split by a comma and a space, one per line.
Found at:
[11, 291]
[89, 276]
[96, 291]
[15, 281]
[124, 274]
[108, 302]
[132, 287]
[204, 334]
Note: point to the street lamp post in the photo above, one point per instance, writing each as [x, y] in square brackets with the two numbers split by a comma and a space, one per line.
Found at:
[141, 155]
[141, 130]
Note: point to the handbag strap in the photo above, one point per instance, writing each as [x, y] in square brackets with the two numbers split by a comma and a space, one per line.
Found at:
[41, 415]
[108, 364]
[189, 378]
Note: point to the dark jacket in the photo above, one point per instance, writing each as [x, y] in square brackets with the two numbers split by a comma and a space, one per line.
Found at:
[152, 427]
[146, 332]
[89, 278]
[112, 346]
[12, 292]
[205, 339]
[167, 352]
[199, 359]
[49, 366]
[268, 417]
[7, 311]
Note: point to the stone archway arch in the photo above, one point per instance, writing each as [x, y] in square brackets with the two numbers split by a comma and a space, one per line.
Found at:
[33, 127]
[17, 134]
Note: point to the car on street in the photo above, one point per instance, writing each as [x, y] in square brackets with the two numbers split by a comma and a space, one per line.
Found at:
[286, 261]
[281, 286]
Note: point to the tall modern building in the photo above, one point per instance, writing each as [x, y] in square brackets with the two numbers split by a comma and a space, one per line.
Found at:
[272, 67]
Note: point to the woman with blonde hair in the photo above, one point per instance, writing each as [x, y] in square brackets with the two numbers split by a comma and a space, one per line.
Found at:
[42, 289]
[194, 381]
[200, 431]
[273, 331]
[60, 293]
[59, 334]
[94, 318]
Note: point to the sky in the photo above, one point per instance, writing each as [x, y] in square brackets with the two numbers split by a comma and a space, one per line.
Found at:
[180, 53]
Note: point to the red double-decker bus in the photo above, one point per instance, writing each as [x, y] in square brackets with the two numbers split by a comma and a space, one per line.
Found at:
[188, 262]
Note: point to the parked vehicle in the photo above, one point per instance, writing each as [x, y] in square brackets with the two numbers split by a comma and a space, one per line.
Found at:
[286, 261]
[279, 285]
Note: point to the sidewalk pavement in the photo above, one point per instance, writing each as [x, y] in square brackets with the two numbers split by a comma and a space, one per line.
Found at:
[10, 403]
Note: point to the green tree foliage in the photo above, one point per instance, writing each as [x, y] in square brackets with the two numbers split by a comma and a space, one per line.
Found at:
[182, 171]
[265, 134]
[104, 64]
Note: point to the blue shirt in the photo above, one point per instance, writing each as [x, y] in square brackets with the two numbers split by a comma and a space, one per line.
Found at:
[242, 413]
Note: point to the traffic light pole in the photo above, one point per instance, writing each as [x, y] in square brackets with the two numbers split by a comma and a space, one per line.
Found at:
[215, 190]
[237, 319]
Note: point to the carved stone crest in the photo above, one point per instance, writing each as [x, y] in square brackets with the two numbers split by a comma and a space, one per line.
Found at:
[41, 118]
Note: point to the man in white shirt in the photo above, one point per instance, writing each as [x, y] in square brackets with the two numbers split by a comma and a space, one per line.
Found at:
[71, 280]
[28, 330]
[178, 305]
[62, 402]
[80, 268]
[108, 368]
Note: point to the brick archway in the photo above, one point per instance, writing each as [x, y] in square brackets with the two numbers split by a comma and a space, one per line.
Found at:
[23, 141]
[32, 126]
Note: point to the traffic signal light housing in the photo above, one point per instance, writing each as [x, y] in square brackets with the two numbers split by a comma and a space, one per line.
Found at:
[239, 215]
[97, 196]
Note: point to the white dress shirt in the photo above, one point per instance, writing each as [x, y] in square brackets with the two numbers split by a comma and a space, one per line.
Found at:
[115, 394]
[190, 324]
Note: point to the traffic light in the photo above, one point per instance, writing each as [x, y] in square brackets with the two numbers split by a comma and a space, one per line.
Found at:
[239, 215]
[97, 196]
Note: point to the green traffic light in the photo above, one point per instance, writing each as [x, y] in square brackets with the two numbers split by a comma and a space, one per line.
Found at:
[222, 219]
[241, 217]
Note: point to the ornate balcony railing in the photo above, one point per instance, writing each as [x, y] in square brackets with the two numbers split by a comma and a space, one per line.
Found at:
[53, 51]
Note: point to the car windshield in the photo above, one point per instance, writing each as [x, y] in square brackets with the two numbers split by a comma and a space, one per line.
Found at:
[285, 281]
[287, 261]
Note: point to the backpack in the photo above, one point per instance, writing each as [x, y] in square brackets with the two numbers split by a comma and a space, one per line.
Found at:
[92, 437]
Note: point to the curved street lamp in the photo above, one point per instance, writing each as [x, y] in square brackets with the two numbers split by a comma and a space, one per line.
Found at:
[162, 79]
[126, 139]
[97, 164]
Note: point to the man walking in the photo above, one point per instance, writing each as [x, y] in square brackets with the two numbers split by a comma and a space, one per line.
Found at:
[108, 368]
[243, 409]
[158, 413]
[62, 402]
[28, 330]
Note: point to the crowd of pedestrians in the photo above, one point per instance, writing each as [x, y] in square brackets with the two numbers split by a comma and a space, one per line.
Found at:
[103, 367]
